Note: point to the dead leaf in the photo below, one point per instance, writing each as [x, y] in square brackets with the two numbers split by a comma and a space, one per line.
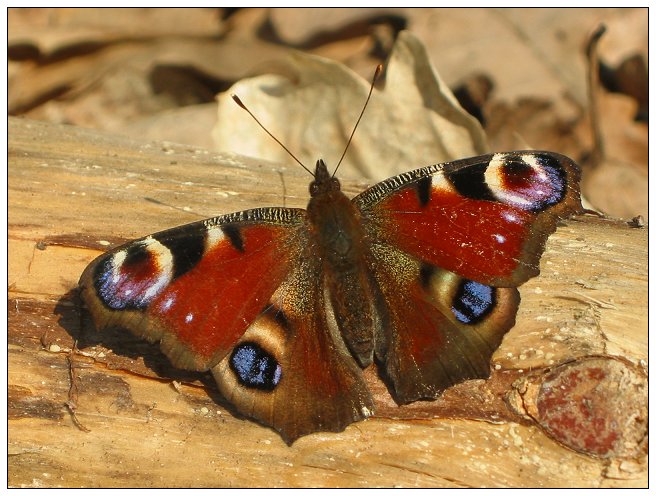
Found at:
[414, 121]
[52, 30]
[619, 185]
[533, 123]
[302, 26]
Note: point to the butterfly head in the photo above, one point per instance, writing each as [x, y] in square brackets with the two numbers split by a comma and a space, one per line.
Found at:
[323, 182]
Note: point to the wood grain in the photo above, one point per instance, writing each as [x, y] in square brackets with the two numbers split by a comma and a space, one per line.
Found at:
[112, 412]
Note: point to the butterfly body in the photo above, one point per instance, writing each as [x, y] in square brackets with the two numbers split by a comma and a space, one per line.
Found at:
[286, 306]
[336, 227]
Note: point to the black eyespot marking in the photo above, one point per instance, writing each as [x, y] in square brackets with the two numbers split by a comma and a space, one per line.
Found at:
[234, 235]
[516, 166]
[473, 302]
[531, 181]
[425, 274]
[424, 188]
[104, 288]
[278, 316]
[186, 248]
[135, 255]
[254, 367]
[470, 182]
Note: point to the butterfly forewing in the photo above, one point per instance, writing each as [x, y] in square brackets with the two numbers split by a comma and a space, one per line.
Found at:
[197, 287]
[485, 218]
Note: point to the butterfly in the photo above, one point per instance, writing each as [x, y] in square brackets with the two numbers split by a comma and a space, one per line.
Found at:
[286, 306]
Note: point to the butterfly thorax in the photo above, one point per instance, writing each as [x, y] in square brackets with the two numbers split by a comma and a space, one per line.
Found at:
[335, 223]
[336, 229]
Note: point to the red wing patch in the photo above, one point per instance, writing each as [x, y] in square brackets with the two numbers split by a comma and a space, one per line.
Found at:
[485, 219]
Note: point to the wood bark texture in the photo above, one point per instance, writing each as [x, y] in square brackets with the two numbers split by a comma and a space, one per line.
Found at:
[105, 409]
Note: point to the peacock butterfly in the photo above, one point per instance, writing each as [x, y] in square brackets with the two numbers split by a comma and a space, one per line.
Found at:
[286, 306]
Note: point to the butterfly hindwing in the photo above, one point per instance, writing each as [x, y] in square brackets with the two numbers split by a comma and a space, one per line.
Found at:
[291, 370]
[439, 328]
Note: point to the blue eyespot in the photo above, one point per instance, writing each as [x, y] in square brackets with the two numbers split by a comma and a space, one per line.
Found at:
[123, 288]
[254, 367]
[533, 182]
[473, 301]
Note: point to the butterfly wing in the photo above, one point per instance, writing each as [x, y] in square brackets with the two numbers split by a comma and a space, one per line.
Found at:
[438, 328]
[195, 288]
[485, 218]
[243, 294]
[314, 383]
[238, 295]
[449, 245]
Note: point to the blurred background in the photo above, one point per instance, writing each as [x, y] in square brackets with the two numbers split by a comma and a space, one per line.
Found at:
[527, 75]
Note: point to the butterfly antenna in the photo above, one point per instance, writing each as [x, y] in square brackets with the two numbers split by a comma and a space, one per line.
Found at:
[379, 68]
[241, 104]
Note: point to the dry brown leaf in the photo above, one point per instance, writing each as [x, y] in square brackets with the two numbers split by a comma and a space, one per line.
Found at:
[526, 52]
[297, 26]
[51, 30]
[624, 139]
[627, 32]
[533, 123]
[618, 186]
[112, 87]
[414, 121]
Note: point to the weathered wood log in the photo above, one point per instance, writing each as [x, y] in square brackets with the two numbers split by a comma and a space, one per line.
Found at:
[88, 408]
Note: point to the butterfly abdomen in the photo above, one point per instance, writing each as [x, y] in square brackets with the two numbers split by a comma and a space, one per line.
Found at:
[336, 229]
